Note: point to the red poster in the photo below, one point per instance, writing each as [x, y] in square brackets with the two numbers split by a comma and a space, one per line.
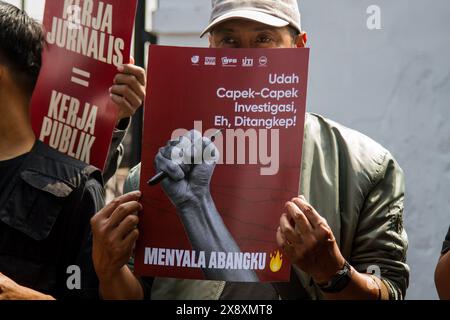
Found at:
[235, 119]
[71, 108]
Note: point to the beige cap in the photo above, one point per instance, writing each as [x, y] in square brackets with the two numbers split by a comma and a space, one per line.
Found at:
[276, 13]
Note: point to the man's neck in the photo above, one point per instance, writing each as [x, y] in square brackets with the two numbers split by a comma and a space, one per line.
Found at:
[16, 135]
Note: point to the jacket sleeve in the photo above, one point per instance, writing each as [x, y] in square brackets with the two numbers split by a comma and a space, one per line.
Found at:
[116, 150]
[133, 179]
[381, 242]
[132, 184]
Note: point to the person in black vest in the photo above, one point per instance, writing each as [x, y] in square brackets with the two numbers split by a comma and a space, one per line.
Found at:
[442, 274]
[46, 198]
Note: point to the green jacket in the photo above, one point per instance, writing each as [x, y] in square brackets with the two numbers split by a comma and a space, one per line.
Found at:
[358, 187]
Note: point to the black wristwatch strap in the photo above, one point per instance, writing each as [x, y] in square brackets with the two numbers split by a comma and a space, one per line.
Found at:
[339, 282]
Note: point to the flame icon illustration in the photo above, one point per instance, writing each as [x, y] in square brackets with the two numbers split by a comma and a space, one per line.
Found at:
[276, 261]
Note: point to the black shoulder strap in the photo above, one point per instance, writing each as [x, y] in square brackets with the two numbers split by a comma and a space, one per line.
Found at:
[91, 171]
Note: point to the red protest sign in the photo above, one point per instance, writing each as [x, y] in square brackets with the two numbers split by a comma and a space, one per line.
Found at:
[218, 191]
[71, 109]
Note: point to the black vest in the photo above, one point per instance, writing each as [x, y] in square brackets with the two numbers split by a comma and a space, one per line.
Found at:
[41, 231]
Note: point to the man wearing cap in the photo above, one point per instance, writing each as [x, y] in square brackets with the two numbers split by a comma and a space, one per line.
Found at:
[344, 235]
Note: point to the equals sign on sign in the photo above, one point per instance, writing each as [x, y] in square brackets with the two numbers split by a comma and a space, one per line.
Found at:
[80, 77]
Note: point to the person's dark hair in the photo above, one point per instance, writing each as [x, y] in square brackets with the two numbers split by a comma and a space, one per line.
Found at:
[21, 43]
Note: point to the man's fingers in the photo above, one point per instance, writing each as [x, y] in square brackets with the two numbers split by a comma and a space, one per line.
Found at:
[282, 242]
[128, 91]
[300, 220]
[108, 210]
[128, 224]
[280, 238]
[287, 230]
[131, 81]
[128, 94]
[130, 240]
[136, 71]
[211, 154]
[313, 216]
[123, 211]
[122, 103]
[172, 169]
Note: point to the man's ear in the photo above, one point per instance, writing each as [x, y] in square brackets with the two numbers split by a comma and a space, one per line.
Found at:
[210, 39]
[302, 39]
[3, 75]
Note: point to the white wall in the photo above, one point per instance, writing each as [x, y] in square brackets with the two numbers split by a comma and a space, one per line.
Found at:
[391, 84]
[34, 8]
[14, 2]
[179, 22]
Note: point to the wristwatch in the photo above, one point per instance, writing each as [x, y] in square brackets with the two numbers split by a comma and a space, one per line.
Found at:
[339, 281]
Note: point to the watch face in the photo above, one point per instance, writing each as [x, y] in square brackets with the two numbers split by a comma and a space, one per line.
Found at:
[339, 281]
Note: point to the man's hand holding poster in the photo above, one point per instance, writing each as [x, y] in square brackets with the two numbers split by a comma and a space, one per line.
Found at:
[221, 155]
[87, 41]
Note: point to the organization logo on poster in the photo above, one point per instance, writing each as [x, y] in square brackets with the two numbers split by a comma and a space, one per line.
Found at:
[210, 61]
[263, 61]
[229, 62]
[247, 62]
[195, 59]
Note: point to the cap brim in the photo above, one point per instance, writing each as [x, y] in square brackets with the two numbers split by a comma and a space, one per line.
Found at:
[257, 16]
